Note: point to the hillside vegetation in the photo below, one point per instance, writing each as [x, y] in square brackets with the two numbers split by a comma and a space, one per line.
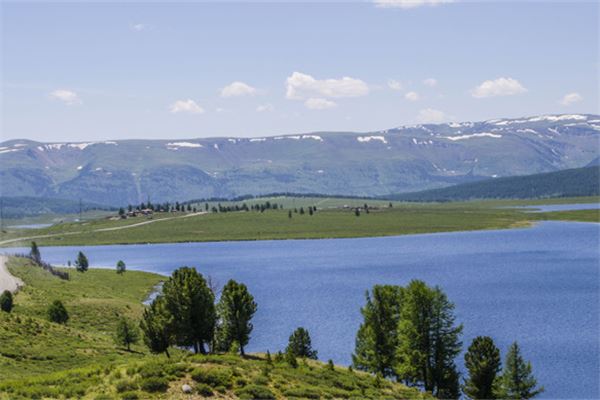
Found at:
[566, 183]
[291, 223]
[40, 359]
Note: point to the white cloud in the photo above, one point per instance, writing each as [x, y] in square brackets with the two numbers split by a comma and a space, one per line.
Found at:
[319, 104]
[431, 116]
[137, 27]
[235, 89]
[187, 106]
[571, 98]
[498, 87]
[69, 97]
[406, 4]
[300, 86]
[395, 85]
[431, 82]
[411, 96]
[265, 107]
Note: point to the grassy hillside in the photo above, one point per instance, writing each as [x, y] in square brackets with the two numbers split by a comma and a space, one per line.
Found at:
[39, 359]
[566, 183]
[406, 218]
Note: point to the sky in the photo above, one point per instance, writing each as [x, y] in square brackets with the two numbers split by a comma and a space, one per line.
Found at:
[98, 71]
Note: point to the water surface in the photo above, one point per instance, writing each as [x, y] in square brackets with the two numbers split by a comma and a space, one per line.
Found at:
[539, 286]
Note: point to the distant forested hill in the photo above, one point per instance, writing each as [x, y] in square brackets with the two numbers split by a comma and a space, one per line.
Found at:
[23, 206]
[569, 182]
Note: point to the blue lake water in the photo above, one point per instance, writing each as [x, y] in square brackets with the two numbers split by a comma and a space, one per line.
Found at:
[563, 207]
[539, 286]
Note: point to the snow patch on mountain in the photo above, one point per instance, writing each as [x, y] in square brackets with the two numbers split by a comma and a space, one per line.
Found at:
[473, 135]
[366, 139]
[176, 145]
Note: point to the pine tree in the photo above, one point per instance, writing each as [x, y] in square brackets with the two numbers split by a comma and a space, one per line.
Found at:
[121, 268]
[517, 381]
[377, 337]
[6, 301]
[429, 341]
[190, 302]
[34, 253]
[155, 325]
[482, 360]
[82, 263]
[127, 333]
[236, 308]
[299, 344]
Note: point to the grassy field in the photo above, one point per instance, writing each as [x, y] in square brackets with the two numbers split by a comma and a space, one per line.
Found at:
[39, 359]
[402, 218]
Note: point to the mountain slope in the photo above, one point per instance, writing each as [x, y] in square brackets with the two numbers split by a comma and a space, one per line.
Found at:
[404, 159]
[566, 183]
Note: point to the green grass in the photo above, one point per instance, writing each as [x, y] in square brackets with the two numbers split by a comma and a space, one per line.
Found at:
[39, 359]
[403, 218]
[31, 345]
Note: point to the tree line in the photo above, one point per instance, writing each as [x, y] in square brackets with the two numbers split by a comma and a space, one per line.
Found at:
[409, 334]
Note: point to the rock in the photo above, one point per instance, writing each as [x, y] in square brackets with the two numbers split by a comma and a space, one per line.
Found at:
[186, 388]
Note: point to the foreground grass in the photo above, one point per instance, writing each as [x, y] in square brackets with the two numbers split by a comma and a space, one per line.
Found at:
[40, 360]
[405, 218]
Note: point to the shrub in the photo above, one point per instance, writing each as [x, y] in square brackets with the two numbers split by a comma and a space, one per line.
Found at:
[6, 301]
[302, 392]
[130, 396]
[204, 390]
[255, 392]
[213, 377]
[103, 397]
[151, 370]
[154, 384]
[125, 386]
[57, 312]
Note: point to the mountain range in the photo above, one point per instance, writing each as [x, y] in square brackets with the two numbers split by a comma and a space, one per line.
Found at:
[398, 160]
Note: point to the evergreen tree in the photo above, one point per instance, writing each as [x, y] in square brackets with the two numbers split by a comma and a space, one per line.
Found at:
[299, 345]
[57, 312]
[191, 304]
[236, 308]
[357, 212]
[517, 381]
[127, 333]
[290, 214]
[6, 301]
[428, 341]
[82, 263]
[121, 268]
[377, 337]
[155, 325]
[121, 211]
[482, 360]
[34, 253]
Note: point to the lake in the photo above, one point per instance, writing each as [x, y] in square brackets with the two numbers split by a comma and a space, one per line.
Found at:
[539, 286]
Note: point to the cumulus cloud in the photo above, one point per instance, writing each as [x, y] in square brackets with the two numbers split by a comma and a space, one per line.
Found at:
[571, 98]
[431, 82]
[319, 104]
[498, 87]
[186, 106]
[411, 96]
[69, 97]
[395, 85]
[431, 116]
[265, 107]
[235, 89]
[406, 4]
[300, 86]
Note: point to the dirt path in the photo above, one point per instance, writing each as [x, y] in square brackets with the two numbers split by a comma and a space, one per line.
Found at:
[116, 228]
[7, 281]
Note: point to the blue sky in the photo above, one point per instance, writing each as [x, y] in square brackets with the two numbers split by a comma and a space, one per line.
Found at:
[96, 71]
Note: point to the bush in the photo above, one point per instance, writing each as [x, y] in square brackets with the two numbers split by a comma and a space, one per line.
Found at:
[57, 312]
[130, 396]
[213, 377]
[154, 384]
[151, 370]
[204, 390]
[125, 386]
[6, 301]
[302, 392]
[255, 392]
